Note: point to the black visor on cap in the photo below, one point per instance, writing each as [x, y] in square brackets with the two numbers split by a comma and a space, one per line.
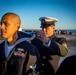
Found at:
[45, 26]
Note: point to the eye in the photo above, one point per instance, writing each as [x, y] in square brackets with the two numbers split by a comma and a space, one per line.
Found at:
[6, 23]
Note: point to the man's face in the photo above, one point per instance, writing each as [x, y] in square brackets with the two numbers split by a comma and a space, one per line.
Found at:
[49, 30]
[8, 27]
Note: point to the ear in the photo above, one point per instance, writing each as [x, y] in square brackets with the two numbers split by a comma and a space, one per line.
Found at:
[53, 27]
[18, 25]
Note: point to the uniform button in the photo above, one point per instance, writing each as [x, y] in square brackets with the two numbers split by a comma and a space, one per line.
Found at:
[44, 57]
[42, 64]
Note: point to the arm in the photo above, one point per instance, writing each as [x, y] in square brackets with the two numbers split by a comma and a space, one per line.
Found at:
[63, 50]
[57, 49]
[54, 47]
[62, 43]
[34, 63]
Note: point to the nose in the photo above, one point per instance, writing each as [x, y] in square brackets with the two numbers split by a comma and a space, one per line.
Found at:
[2, 26]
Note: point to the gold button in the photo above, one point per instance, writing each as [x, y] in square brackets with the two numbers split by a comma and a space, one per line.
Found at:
[42, 64]
[44, 57]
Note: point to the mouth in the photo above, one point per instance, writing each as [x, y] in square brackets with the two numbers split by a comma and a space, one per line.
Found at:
[3, 32]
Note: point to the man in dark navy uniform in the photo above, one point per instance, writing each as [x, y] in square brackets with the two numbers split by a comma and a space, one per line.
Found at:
[17, 56]
[48, 45]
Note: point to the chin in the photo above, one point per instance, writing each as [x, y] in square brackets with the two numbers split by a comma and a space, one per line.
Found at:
[3, 36]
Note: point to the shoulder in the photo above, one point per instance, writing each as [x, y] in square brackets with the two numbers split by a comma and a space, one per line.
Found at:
[1, 44]
[69, 62]
[71, 59]
[67, 66]
[61, 40]
[29, 47]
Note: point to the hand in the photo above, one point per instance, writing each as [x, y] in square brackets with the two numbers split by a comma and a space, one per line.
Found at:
[42, 36]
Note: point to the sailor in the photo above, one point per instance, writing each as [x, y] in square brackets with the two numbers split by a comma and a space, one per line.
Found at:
[17, 56]
[49, 46]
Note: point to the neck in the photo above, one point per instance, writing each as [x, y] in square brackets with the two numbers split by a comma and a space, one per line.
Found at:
[12, 40]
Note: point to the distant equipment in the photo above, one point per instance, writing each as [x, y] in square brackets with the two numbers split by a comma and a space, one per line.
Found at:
[20, 29]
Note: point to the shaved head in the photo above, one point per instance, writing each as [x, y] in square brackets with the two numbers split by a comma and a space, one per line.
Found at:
[13, 16]
[10, 24]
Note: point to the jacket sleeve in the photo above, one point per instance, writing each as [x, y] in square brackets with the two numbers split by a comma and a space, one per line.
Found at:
[57, 49]
[63, 50]
[62, 43]
[34, 62]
